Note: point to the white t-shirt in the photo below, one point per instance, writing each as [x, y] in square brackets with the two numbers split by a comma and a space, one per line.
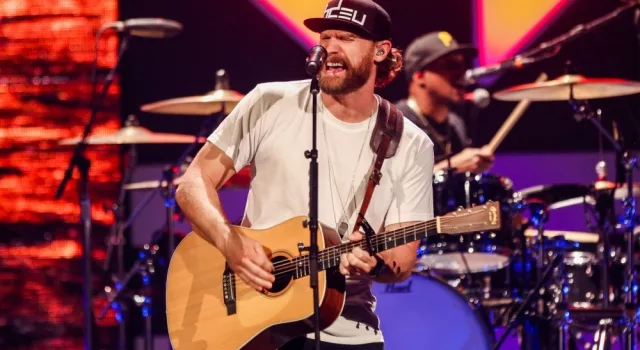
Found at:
[270, 130]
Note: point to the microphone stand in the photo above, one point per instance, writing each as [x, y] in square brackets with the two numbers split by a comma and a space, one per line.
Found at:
[555, 44]
[83, 164]
[312, 222]
[313, 212]
[580, 30]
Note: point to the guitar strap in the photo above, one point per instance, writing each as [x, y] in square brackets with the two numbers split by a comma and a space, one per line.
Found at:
[384, 143]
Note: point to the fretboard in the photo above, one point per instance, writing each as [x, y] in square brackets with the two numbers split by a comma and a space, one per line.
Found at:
[330, 257]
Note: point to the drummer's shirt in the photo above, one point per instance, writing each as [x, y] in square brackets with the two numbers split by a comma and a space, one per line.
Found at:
[457, 134]
[270, 130]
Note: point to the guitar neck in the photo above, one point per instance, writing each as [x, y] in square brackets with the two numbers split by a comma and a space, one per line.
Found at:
[330, 257]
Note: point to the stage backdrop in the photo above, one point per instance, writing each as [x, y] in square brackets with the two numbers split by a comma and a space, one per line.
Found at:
[46, 53]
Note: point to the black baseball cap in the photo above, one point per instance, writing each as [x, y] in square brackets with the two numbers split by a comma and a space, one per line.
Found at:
[363, 17]
[431, 46]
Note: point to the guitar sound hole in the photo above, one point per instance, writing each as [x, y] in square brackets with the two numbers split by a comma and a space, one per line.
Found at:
[284, 274]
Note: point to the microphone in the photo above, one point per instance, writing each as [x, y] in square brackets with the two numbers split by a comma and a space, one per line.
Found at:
[479, 97]
[517, 62]
[315, 60]
[157, 28]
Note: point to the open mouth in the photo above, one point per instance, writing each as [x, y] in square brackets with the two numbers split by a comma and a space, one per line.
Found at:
[335, 67]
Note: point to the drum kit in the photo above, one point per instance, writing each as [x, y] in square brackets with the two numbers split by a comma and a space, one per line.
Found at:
[553, 286]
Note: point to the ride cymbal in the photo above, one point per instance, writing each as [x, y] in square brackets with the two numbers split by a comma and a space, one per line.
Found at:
[570, 86]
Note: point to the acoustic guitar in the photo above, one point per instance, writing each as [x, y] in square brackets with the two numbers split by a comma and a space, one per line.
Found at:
[208, 307]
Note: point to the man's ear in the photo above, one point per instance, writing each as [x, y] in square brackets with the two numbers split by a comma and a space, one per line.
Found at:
[382, 50]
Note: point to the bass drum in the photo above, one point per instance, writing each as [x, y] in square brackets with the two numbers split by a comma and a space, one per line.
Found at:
[424, 312]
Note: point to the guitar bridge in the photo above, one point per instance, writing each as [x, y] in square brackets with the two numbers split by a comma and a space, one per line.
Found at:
[229, 290]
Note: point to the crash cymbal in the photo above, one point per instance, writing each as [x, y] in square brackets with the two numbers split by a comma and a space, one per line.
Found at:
[560, 89]
[574, 236]
[133, 135]
[204, 105]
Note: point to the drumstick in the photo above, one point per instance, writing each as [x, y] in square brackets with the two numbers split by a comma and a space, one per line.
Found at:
[511, 120]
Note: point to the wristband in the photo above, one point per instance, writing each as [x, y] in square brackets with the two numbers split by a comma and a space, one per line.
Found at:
[380, 265]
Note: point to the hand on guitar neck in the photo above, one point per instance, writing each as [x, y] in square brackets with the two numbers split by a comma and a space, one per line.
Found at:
[358, 261]
[475, 160]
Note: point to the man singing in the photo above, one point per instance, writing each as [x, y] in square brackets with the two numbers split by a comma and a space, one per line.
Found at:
[270, 130]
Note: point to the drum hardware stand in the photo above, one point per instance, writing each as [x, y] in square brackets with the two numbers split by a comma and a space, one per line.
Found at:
[146, 268]
[626, 163]
[531, 296]
[116, 237]
[83, 164]
[603, 335]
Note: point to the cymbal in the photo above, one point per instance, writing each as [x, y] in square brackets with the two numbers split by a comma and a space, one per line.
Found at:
[620, 191]
[556, 196]
[560, 88]
[148, 185]
[575, 236]
[204, 105]
[566, 195]
[242, 179]
[133, 135]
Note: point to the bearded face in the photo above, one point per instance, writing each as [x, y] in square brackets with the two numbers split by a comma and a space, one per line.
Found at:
[341, 76]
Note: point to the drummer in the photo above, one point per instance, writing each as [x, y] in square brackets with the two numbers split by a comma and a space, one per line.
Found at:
[434, 64]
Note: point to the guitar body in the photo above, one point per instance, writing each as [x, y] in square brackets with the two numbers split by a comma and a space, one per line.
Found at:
[198, 318]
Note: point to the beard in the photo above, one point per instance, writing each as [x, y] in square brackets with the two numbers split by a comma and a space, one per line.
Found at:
[354, 77]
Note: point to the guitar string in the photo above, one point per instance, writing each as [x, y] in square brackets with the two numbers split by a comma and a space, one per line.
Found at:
[385, 235]
[377, 239]
[291, 265]
[286, 274]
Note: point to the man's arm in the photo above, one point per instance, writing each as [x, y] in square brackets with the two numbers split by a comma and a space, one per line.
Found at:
[198, 198]
[399, 261]
[469, 159]
[197, 194]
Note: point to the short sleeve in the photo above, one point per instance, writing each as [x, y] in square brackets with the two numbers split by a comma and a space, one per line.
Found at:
[413, 196]
[240, 133]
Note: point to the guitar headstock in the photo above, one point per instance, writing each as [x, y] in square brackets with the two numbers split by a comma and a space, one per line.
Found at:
[482, 217]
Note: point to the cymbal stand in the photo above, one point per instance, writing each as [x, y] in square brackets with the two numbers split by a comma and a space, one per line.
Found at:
[116, 237]
[627, 162]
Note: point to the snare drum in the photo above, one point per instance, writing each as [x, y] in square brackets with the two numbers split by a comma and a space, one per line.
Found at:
[476, 252]
[424, 312]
